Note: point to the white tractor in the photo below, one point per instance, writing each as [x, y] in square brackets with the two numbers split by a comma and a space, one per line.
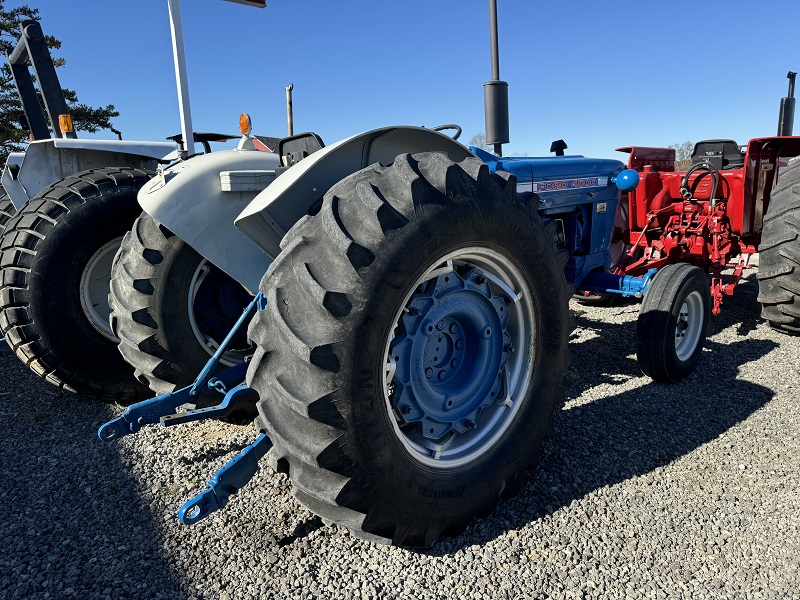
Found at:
[66, 205]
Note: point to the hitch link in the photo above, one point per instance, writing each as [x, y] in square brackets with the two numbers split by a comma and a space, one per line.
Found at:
[231, 383]
[225, 482]
[162, 408]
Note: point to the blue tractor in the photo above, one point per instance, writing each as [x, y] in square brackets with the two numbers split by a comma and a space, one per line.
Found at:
[410, 334]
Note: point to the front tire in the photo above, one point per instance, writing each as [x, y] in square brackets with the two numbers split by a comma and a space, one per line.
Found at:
[779, 255]
[673, 322]
[413, 348]
[171, 308]
[56, 257]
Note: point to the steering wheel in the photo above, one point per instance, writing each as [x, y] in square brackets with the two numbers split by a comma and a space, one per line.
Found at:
[449, 126]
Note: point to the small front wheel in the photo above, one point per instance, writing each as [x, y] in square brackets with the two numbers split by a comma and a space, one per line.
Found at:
[673, 322]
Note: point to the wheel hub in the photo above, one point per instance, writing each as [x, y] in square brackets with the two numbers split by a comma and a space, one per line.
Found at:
[94, 285]
[449, 353]
[215, 302]
[688, 327]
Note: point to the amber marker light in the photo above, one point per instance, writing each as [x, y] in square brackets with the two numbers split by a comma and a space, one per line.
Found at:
[245, 124]
[65, 124]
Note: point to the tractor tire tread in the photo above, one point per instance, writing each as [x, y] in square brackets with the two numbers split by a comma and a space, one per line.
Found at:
[7, 211]
[18, 253]
[297, 367]
[152, 277]
[132, 297]
[779, 255]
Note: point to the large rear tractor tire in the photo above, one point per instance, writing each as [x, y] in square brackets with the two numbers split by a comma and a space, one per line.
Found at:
[413, 347]
[7, 211]
[56, 257]
[779, 254]
[673, 322]
[171, 308]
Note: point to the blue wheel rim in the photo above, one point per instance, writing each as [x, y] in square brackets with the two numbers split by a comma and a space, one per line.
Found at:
[459, 356]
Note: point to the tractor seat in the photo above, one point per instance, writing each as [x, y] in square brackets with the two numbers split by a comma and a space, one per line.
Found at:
[720, 154]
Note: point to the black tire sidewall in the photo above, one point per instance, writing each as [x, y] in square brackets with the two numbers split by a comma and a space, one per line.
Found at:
[404, 485]
[677, 283]
[171, 308]
[54, 285]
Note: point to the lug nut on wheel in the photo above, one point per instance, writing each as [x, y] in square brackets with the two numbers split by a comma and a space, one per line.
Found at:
[428, 372]
[442, 375]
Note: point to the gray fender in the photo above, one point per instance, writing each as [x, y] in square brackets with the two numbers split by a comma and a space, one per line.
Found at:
[45, 162]
[198, 200]
[275, 210]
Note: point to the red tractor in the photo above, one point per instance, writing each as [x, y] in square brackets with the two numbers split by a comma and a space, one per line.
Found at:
[729, 204]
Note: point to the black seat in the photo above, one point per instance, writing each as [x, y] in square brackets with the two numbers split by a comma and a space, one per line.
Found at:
[720, 154]
[297, 147]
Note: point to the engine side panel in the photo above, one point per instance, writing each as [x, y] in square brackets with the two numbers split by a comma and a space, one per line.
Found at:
[579, 194]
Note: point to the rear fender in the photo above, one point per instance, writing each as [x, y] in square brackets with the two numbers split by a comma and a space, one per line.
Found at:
[198, 200]
[45, 162]
[275, 210]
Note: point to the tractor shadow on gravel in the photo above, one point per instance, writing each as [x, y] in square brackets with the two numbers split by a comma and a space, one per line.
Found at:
[74, 523]
[602, 438]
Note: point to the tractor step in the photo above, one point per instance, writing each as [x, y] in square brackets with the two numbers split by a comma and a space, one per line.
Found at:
[225, 482]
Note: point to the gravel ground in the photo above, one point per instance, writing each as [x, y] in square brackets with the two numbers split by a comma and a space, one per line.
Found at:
[645, 490]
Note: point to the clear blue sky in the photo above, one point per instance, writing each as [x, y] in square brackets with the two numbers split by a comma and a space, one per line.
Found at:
[598, 74]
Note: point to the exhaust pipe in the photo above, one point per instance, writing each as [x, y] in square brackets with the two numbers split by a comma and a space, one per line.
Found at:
[786, 117]
[495, 93]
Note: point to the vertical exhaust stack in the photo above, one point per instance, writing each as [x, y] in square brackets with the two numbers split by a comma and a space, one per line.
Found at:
[289, 110]
[495, 93]
[786, 117]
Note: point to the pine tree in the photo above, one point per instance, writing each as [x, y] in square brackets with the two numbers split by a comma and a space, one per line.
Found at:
[12, 137]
